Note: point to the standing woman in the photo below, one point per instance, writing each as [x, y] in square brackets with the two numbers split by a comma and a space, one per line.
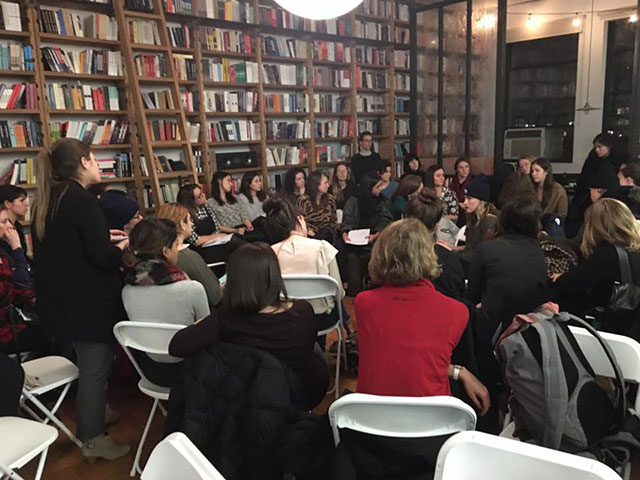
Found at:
[551, 195]
[342, 187]
[434, 179]
[295, 182]
[251, 198]
[461, 178]
[319, 208]
[77, 280]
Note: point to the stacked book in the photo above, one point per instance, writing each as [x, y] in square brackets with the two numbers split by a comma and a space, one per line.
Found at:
[220, 40]
[233, 131]
[163, 130]
[10, 17]
[158, 100]
[333, 128]
[63, 22]
[372, 31]
[21, 172]
[180, 36]
[331, 77]
[374, 126]
[150, 65]
[330, 103]
[15, 56]
[225, 70]
[84, 97]
[103, 132]
[97, 62]
[365, 79]
[286, 102]
[281, 130]
[119, 166]
[144, 31]
[284, 47]
[233, 10]
[238, 101]
[371, 55]
[185, 66]
[24, 133]
[331, 51]
[286, 155]
[284, 74]
[333, 153]
[18, 95]
[370, 104]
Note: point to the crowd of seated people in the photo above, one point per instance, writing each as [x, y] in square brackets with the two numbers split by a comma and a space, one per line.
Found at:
[423, 289]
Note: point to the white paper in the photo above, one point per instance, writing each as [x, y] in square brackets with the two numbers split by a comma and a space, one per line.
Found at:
[359, 237]
[223, 279]
[339, 213]
[218, 241]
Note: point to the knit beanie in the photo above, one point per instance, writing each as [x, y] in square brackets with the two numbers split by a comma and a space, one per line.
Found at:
[478, 188]
[118, 208]
[605, 177]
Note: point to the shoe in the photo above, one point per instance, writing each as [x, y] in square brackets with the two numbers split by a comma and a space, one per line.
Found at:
[103, 446]
[111, 416]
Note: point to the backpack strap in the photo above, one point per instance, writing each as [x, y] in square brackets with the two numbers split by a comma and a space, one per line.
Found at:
[625, 266]
[555, 385]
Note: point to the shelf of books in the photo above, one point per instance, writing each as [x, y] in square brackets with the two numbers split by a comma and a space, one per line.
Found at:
[250, 88]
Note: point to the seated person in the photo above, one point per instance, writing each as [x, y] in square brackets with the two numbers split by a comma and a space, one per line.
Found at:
[461, 179]
[156, 290]
[408, 187]
[255, 313]
[318, 208]
[188, 260]
[428, 209]
[385, 174]
[121, 212]
[252, 197]
[11, 250]
[295, 184]
[405, 344]
[12, 379]
[518, 183]
[16, 201]
[299, 254]
[434, 179]
[552, 197]
[413, 166]
[342, 186]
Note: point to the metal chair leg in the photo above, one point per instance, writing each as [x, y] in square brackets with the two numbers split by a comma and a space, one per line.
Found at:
[50, 416]
[43, 458]
[135, 469]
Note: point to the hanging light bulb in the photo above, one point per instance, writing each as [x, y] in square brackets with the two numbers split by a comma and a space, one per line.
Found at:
[577, 21]
[532, 22]
[487, 21]
[319, 9]
[633, 18]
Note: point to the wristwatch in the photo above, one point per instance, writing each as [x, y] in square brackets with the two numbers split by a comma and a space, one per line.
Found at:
[456, 372]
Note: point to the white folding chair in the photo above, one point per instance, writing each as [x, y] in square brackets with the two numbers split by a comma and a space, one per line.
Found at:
[480, 456]
[151, 338]
[403, 417]
[42, 376]
[309, 287]
[177, 457]
[22, 440]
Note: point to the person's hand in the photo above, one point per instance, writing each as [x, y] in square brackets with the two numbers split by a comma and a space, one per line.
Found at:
[345, 236]
[11, 237]
[123, 244]
[476, 391]
[555, 276]
[116, 235]
[248, 225]
[310, 233]
[372, 238]
[240, 231]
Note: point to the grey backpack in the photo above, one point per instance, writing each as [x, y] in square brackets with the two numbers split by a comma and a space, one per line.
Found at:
[555, 400]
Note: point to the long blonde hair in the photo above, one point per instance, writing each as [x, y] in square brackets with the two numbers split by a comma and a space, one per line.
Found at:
[484, 210]
[404, 254]
[175, 212]
[610, 221]
[54, 168]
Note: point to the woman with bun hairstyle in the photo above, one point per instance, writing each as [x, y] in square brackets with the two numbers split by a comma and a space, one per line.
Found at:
[77, 280]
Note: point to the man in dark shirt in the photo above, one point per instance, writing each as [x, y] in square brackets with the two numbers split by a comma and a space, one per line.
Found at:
[366, 159]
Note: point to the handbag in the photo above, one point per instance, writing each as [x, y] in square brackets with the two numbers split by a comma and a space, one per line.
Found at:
[625, 294]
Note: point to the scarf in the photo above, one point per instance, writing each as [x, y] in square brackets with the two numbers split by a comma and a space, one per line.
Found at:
[153, 272]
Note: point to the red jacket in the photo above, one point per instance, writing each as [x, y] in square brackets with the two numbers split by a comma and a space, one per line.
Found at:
[405, 339]
[10, 295]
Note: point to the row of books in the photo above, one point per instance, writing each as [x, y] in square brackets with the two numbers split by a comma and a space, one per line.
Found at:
[286, 155]
[402, 81]
[233, 131]
[190, 100]
[64, 22]
[158, 100]
[169, 192]
[84, 97]
[163, 164]
[401, 35]
[401, 126]
[180, 36]
[21, 172]
[231, 10]
[225, 70]
[401, 149]
[372, 31]
[374, 126]
[286, 102]
[333, 128]
[278, 74]
[277, 17]
[402, 12]
[371, 55]
[99, 62]
[150, 65]
[403, 105]
[401, 59]
[15, 56]
[370, 104]
[235, 101]
[18, 95]
[10, 17]
[221, 40]
[120, 166]
[284, 47]
[186, 67]
[144, 31]
[379, 8]
[23, 133]
[330, 103]
[333, 153]
[139, 5]
[280, 130]
[331, 51]
[370, 79]
[163, 130]
[331, 77]
[103, 132]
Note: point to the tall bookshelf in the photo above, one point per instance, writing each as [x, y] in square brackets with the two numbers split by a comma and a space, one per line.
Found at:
[367, 43]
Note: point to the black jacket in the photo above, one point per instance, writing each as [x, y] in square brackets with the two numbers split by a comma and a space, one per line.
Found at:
[77, 281]
[591, 166]
[235, 403]
[361, 165]
[451, 280]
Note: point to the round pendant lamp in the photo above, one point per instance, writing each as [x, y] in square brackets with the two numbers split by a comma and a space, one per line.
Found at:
[319, 9]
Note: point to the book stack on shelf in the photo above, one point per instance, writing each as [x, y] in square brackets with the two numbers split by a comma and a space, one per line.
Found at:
[15, 56]
[18, 96]
[21, 172]
[231, 10]
[333, 153]
[333, 128]
[10, 18]
[286, 102]
[277, 46]
[158, 100]
[84, 97]
[282, 130]
[163, 130]
[230, 101]
[102, 132]
[95, 62]
[330, 103]
[150, 65]
[370, 104]
[229, 71]
[230, 41]
[117, 166]
[233, 131]
[180, 36]
[144, 32]
[280, 74]
[64, 22]
[289, 155]
[20, 134]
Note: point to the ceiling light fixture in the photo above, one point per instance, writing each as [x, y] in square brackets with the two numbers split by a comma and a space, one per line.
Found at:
[633, 18]
[319, 9]
[577, 21]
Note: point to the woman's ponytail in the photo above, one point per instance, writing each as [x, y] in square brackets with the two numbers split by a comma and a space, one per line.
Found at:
[44, 181]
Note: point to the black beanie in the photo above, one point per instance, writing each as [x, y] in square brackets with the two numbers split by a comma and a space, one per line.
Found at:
[118, 209]
[478, 188]
[605, 177]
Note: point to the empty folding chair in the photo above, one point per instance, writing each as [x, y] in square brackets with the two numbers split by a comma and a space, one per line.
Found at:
[480, 456]
[402, 417]
[308, 287]
[21, 440]
[43, 375]
[177, 457]
[151, 338]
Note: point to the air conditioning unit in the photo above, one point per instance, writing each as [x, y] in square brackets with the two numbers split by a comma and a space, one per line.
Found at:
[537, 142]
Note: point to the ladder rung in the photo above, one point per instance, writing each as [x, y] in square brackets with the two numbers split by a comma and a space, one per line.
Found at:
[149, 48]
[164, 80]
[145, 15]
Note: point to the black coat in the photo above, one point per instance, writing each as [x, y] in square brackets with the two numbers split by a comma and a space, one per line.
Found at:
[360, 165]
[235, 404]
[77, 281]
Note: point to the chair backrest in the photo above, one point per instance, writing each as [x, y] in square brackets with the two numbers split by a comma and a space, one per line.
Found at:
[308, 287]
[486, 457]
[625, 349]
[176, 457]
[406, 417]
[146, 337]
